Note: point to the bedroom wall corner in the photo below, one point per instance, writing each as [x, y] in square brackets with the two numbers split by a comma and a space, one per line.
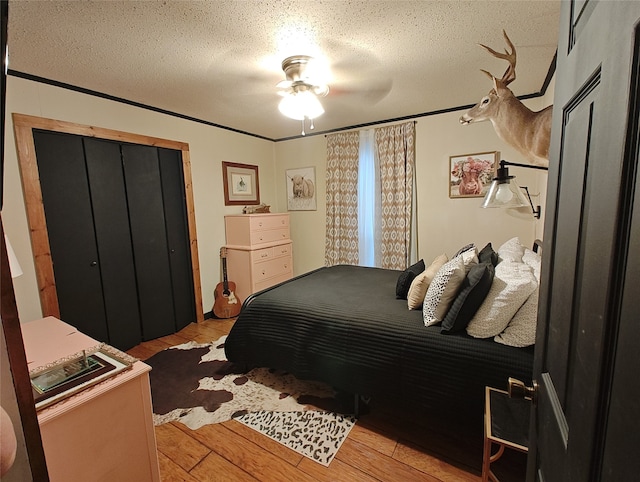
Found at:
[307, 227]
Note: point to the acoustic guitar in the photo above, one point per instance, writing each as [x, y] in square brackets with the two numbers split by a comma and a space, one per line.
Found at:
[226, 304]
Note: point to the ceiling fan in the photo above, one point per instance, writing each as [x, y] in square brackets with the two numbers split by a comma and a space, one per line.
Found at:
[301, 90]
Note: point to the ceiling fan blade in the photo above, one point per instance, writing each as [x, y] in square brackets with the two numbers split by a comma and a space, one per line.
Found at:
[284, 84]
[371, 90]
[357, 74]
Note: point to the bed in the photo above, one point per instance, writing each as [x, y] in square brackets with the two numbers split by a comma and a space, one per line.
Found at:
[344, 326]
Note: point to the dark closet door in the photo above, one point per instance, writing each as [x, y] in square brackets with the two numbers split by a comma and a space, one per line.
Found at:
[119, 238]
[72, 237]
[149, 237]
[177, 236]
[115, 252]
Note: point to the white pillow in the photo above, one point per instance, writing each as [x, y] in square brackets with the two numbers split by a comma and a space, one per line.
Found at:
[511, 250]
[443, 290]
[534, 260]
[420, 283]
[521, 330]
[469, 258]
[512, 285]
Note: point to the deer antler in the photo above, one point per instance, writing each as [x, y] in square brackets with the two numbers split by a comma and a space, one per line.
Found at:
[509, 74]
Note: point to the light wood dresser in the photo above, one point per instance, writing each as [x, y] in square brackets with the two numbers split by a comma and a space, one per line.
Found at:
[259, 251]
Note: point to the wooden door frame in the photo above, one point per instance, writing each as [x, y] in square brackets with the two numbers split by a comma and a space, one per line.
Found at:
[23, 126]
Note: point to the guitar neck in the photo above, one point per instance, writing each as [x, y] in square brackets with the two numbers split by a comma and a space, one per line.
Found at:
[225, 281]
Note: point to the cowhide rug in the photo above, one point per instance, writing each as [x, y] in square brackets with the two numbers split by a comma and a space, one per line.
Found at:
[196, 385]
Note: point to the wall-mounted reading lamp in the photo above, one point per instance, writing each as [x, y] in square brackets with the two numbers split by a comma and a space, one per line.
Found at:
[505, 193]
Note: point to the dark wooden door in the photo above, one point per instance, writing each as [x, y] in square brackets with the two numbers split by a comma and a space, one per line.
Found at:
[586, 418]
[72, 236]
[118, 234]
[111, 223]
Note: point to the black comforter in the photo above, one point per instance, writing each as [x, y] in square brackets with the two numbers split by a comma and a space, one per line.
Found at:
[344, 326]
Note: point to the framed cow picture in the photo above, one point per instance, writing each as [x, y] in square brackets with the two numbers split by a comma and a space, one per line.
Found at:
[301, 189]
[470, 175]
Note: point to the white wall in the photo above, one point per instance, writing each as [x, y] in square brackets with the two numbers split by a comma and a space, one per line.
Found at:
[444, 224]
[208, 146]
[307, 227]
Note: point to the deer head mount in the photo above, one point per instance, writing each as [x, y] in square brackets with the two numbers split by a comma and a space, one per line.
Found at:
[528, 131]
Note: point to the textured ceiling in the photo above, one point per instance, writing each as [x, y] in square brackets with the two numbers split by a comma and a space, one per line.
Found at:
[219, 61]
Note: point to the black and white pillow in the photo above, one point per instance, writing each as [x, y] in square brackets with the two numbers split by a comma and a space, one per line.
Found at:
[420, 284]
[443, 290]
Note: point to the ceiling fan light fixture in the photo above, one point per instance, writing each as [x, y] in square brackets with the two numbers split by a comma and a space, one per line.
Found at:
[301, 105]
[301, 89]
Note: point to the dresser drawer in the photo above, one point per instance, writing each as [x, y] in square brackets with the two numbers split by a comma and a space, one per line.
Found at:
[271, 268]
[282, 250]
[251, 229]
[269, 236]
[265, 254]
[269, 222]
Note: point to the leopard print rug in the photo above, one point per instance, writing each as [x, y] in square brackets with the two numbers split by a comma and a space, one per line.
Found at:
[314, 434]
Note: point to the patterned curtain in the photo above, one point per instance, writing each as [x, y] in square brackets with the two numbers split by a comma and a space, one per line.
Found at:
[341, 246]
[395, 147]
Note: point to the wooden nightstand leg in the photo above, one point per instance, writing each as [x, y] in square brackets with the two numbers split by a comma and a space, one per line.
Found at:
[488, 459]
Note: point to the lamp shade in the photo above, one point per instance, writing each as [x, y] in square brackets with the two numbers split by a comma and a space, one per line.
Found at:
[504, 192]
[301, 105]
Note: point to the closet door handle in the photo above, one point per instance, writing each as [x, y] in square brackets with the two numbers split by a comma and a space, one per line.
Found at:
[93, 264]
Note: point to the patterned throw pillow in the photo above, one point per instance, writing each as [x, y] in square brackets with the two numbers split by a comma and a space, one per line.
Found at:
[442, 290]
[466, 247]
[469, 258]
[512, 250]
[521, 330]
[512, 285]
[420, 283]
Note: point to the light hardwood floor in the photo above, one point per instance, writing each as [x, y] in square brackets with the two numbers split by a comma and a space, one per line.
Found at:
[383, 446]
